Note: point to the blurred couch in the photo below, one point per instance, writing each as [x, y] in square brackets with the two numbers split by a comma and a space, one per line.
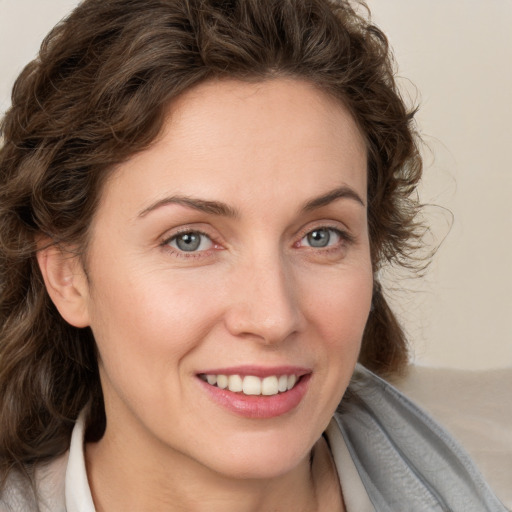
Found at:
[476, 408]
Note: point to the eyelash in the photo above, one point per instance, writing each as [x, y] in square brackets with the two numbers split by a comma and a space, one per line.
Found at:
[188, 254]
[345, 238]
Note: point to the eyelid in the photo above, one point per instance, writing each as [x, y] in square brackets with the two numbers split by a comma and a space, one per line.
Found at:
[172, 234]
[344, 233]
[203, 238]
[193, 227]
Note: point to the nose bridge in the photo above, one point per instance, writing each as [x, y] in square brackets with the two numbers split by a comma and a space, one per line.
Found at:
[265, 304]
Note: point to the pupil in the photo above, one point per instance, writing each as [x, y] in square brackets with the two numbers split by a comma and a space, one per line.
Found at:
[319, 238]
[188, 241]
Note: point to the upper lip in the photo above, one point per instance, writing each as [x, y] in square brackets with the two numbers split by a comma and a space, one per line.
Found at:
[258, 371]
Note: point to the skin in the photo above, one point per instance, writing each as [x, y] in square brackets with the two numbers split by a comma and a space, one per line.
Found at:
[255, 292]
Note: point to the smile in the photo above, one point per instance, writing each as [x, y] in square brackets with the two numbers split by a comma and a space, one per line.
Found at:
[252, 385]
[256, 392]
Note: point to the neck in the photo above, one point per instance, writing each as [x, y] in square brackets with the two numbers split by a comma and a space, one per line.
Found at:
[122, 479]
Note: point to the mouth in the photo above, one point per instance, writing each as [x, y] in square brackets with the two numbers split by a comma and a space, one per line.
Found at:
[251, 385]
[255, 392]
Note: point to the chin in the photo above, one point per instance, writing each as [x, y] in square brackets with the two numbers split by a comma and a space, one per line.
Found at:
[268, 459]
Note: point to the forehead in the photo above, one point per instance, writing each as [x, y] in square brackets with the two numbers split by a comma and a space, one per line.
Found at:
[243, 141]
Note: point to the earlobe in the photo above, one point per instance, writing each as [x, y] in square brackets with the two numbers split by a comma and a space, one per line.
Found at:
[66, 283]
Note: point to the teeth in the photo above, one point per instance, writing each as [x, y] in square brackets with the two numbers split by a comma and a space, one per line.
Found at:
[269, 386]
[235, 383]
[222, 381]
[282, 384]
[292, 379]
[251, 385]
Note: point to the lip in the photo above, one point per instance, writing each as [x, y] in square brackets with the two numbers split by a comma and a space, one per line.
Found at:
[259, 407]
[257, 371]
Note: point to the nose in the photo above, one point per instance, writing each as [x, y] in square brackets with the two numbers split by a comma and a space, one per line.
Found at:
[264, 302]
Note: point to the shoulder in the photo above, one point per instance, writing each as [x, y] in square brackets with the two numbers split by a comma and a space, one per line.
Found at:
[45, 494]
[404, 458]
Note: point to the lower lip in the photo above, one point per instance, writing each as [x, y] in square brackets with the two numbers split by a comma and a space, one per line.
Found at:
[259, 406]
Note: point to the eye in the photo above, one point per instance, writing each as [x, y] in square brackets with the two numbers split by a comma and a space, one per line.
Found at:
[322, 237]
[191, 241]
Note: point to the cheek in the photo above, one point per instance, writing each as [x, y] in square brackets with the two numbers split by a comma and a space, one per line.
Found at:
[145, 329]
[340, 304]
[155, 310]
[339, 314]
[337, 311]
[145, 324]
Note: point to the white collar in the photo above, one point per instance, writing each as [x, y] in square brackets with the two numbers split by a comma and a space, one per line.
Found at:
[354, 493]
[78, 492]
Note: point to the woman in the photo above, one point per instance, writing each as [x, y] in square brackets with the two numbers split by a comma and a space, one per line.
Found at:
[196, 198]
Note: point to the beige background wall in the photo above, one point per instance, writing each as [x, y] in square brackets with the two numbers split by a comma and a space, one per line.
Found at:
[458, 53]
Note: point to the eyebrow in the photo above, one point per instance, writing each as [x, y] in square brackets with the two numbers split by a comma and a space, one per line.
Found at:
[202, 205]
[224, 210]
[326, 199]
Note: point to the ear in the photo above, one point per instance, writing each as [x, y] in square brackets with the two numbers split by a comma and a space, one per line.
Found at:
[66, 283]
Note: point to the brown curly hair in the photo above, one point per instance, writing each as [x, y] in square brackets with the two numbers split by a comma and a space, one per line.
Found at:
[96, 95]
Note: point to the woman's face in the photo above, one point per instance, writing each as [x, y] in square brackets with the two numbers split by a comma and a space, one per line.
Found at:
[234, 250]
